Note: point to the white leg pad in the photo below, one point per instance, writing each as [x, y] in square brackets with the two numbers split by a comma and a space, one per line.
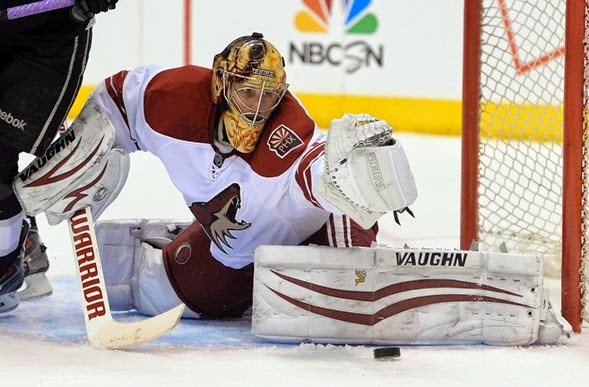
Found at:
[398, 296]
[134, 271]
[152, 292]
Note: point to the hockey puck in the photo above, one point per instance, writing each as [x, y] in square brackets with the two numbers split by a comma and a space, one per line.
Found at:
[387, 353]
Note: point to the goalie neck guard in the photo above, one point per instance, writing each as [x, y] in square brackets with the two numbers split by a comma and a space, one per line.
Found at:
[248, 84]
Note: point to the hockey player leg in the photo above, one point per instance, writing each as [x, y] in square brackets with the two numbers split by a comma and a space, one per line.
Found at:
[12, 274]
[13, 232]
[36, 264]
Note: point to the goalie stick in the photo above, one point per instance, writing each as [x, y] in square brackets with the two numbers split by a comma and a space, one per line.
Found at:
[34, 8]
[103, 331]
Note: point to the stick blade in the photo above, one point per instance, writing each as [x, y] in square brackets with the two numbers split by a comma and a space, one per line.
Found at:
[116, 335]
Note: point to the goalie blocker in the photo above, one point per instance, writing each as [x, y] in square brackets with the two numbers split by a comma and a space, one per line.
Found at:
[80, 169]
[401, 296]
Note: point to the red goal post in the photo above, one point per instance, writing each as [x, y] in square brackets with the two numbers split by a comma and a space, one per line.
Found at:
[524, 149]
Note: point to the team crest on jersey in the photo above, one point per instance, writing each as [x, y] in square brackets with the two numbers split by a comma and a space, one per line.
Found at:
[283, 140]
[218, 216]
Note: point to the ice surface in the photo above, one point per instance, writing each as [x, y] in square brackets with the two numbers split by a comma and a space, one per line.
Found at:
[43, 342]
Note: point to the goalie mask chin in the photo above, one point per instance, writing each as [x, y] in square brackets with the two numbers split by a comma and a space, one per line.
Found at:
[248, 84]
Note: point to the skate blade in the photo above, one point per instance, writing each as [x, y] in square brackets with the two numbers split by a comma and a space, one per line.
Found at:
[37, 286]
[8, 302]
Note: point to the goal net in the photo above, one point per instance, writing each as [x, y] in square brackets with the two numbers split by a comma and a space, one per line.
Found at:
[524, 158]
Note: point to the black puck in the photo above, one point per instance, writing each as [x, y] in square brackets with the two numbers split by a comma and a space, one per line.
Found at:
[387, 353]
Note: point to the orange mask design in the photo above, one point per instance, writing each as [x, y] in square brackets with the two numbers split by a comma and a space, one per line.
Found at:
[243, 137]
[249, 77]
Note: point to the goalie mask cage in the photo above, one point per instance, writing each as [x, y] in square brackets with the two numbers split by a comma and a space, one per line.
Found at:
[524, 148]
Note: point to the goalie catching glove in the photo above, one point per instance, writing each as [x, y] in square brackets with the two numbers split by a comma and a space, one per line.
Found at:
[367, 173]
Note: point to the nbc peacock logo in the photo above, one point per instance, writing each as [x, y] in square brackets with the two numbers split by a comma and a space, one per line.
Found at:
[318, 15]
[339, 27]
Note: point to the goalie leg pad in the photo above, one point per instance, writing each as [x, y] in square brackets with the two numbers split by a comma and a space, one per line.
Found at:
[398, 296]
[49, 178]
[134, 273]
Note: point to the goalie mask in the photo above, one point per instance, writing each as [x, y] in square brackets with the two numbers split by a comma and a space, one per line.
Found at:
[248, 84]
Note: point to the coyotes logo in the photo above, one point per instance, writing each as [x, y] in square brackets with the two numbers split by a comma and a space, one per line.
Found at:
[218, 216]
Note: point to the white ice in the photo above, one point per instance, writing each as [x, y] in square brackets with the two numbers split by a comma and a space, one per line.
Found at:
[148, 193]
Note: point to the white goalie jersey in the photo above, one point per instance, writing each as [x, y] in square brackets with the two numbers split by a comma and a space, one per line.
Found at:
[242, 201]
[281, 193]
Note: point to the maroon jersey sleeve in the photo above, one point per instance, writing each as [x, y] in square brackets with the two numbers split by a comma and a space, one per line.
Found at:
[304, 176]
[178, 103]
[286, 135]
[114, 88]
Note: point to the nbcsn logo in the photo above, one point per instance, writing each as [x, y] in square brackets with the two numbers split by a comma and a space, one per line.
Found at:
[339, 24]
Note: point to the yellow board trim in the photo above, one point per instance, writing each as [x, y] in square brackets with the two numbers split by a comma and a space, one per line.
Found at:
[404, 114]
[431, 116]
[80, 100]
[434, 116]
[511, 121]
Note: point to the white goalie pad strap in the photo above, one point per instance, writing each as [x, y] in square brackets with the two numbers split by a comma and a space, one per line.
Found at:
[397, 296]
[50, 177]
[367, 173]
[123, 232]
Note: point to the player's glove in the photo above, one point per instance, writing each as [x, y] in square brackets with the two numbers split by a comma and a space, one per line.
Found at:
[85, 10]
[96, 6]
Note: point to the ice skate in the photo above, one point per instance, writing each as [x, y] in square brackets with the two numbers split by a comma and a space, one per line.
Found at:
[36, 264]
[13, 277]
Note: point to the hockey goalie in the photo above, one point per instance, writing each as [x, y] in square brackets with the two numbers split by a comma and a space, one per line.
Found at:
[254, 170]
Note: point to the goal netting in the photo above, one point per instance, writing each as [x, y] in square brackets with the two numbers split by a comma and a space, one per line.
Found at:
[524, 135]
